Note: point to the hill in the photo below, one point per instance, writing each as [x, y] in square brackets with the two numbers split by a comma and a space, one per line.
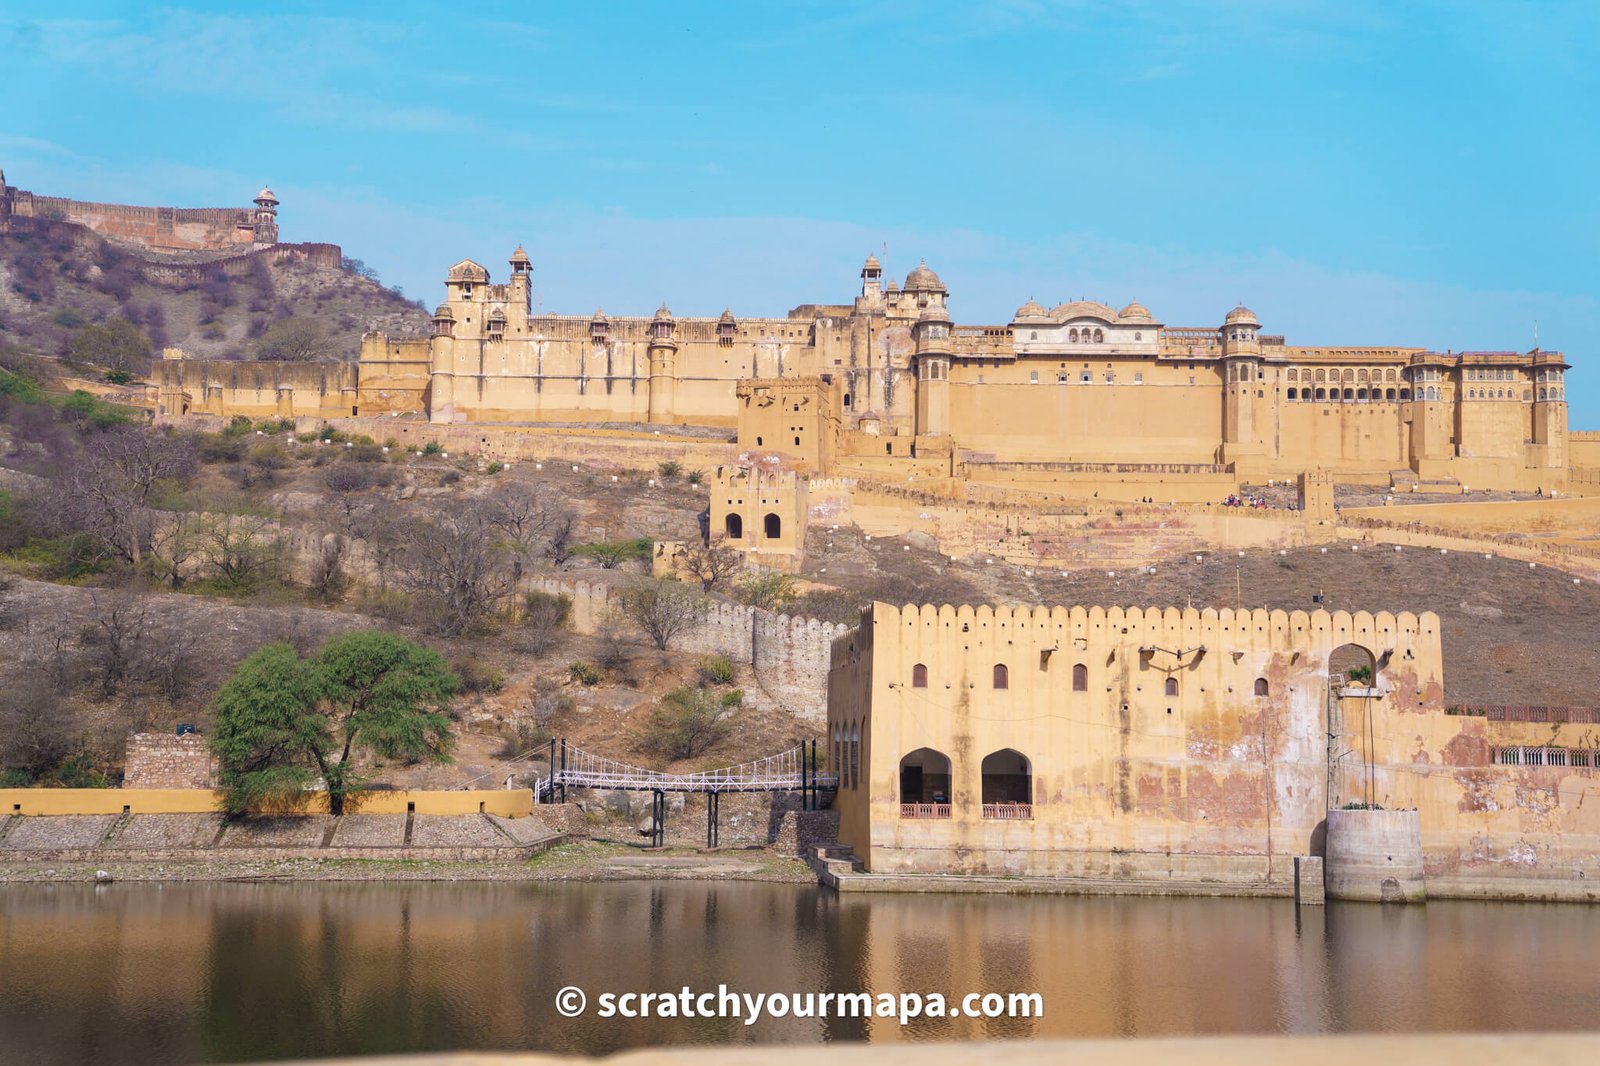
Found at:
[58, 279]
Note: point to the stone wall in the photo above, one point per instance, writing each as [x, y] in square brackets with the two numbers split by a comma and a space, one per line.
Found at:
[165, 760]
[790, 656]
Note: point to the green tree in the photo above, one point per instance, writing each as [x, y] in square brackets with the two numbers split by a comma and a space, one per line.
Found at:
[689, 722]
[283, 721]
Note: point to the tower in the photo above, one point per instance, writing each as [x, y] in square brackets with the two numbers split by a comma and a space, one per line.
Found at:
[266, 217]
[1242, 379]
[1431, 415]
[933, 371]
[872, 280]
[663, 366]
[521, 284]
[1550, 412]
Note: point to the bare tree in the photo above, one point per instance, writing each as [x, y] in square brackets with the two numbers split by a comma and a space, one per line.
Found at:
[113, 638]
[534, 518]
[328, 578]
[109, 491]
[242, 551]
[663, 609]
[459, 562]
[714, 564]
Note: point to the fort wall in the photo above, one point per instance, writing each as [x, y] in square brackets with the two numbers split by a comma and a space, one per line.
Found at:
[788, 655]
[1187, 747]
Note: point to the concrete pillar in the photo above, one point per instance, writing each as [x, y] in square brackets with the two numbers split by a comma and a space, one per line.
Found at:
[1374, 855]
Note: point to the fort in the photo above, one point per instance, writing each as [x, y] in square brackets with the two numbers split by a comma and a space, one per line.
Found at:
[176, 245]
[1079, 399]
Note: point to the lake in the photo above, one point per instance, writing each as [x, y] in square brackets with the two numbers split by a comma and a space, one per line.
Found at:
[139, 973]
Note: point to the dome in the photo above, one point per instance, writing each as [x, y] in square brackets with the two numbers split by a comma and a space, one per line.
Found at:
[599, 314]
[934, 313]
[444, 312]
[872, 263]
[1083, 309]
[894, 286]
[266, 194]
[1032, 309]
[662, 312]
[520, 256]
[1135, 312]
[727, 315]
[467, 270]
[1241, 315]
[497, 315]
[921, 279]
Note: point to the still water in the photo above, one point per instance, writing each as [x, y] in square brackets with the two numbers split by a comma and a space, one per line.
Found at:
[132, 973]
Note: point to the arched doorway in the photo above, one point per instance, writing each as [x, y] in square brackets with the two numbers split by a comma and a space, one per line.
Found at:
[925, 784]
[733, 525]
[1355, 685]
[772, 526]
[1007, 785]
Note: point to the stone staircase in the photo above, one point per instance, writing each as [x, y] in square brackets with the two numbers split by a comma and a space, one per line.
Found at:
[834, 863]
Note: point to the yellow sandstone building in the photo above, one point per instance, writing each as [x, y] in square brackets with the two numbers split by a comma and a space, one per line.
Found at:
[1079, 389]
[1194, 747]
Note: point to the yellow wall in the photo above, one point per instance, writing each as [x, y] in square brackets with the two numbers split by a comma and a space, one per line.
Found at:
[508, 803]
[1213, 782]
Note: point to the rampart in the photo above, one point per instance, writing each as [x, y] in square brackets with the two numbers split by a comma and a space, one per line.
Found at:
[788, 655]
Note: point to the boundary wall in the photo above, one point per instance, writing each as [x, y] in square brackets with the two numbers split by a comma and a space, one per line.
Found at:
[790, 656]
[507, 803]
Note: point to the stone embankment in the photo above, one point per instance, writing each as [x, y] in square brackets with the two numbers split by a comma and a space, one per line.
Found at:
[210, 838]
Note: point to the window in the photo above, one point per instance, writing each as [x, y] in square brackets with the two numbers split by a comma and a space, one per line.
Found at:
[1002, 676]
[733, 525]
[1033, 377]
[1262, 688]
[1080, 678]
[1172, 686]
[772, 526]
[919, 676]
[1085, 377]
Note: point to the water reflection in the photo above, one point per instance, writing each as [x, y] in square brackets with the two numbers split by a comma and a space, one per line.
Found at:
[138, 973]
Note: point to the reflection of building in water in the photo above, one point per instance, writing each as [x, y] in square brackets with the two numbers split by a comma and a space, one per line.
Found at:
[1184, 746]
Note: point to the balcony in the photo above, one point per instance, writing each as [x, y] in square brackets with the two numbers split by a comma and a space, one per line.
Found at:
[1009, 812]
[924, 810]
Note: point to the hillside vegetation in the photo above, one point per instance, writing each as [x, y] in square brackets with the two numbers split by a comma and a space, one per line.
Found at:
[63, 286]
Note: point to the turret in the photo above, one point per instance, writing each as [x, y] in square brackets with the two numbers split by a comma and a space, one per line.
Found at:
[872, 279]
[1550, 410]
[932, 340]
[265, 221]
[727, 327]
[663, 366]
[1242, 387]
[521, 283]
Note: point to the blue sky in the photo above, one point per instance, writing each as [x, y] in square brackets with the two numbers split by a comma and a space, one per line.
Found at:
[1416, 173]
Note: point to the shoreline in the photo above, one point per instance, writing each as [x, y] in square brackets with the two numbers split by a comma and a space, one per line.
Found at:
[563, 861]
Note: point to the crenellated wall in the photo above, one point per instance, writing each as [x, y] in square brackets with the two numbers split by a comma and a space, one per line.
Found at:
[1186, 746]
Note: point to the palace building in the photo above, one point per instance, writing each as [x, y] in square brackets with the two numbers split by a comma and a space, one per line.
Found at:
[890, 375]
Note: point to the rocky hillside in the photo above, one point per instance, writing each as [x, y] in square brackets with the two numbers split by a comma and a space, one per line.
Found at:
[57, 279]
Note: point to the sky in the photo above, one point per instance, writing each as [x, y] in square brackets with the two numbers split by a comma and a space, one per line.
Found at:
[1356, 173]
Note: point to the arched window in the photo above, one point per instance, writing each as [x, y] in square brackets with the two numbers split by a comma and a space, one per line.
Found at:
[772, 526]
[1072, 335]
[838, 755]
[733, 525]
[1388, 394]
[1262, 688]
[925, 784]
[1405, 394]
[1099, 336]
[1002, 676]
[855, 756]
[1322, 394]
[1172, 686]
[919, 676]
[1007, 785]
[1349, 394]
[1293, 394]
[1080, 678]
